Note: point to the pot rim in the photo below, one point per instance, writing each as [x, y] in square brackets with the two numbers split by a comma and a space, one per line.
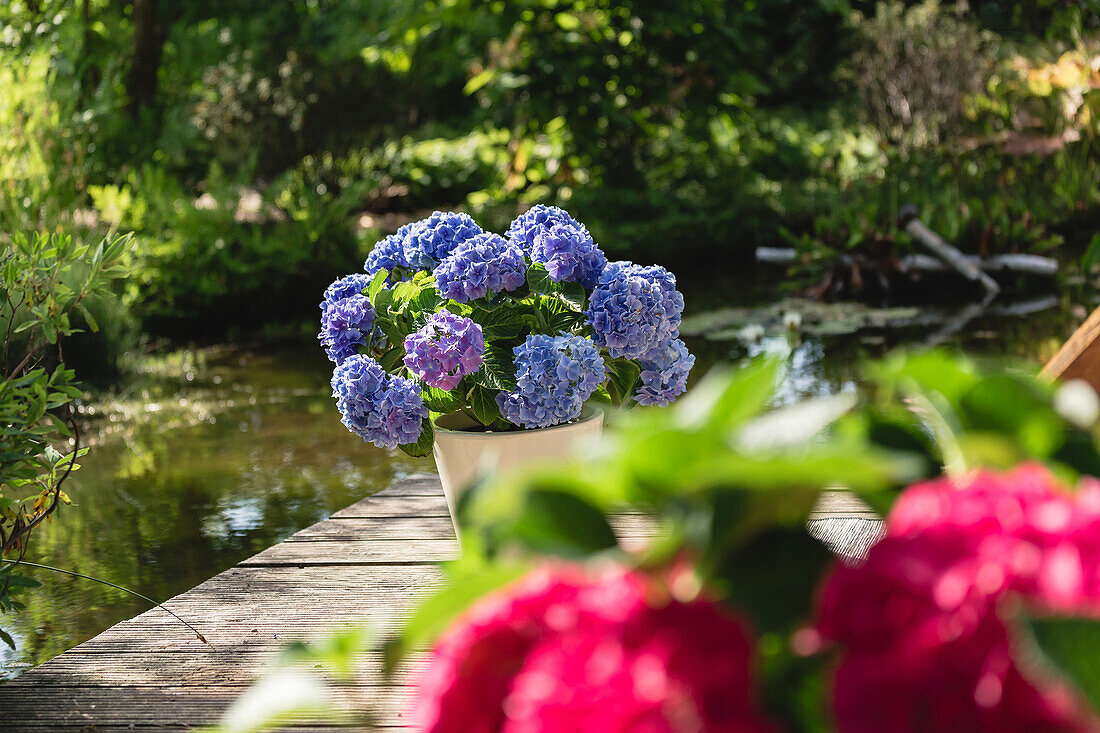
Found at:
[589, 413]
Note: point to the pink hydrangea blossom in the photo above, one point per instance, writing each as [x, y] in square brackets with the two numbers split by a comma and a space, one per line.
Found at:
[924, 622]
[566, 649]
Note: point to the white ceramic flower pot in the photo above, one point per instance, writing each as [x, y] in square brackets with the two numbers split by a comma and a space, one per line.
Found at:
[463, 452]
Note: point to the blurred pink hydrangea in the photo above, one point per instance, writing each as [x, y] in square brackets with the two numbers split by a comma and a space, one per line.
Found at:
[568, 650]
[923, 620]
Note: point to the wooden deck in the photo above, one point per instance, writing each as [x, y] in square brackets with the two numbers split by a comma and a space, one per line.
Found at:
[369, 562]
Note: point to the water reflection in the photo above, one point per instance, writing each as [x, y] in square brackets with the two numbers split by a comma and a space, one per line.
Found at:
[234, 517]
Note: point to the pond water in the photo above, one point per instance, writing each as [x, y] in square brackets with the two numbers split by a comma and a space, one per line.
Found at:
[204, 462]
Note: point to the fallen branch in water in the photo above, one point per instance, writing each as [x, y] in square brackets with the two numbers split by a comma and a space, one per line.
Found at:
[1020, 263]
[950, 256]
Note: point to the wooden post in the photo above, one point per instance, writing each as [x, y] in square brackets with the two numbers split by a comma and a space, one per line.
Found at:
[1079, 357]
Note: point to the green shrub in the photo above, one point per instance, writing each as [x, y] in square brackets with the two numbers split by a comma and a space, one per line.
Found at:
[231, 259]
[42, 155]
[45, 281]
[914, 67]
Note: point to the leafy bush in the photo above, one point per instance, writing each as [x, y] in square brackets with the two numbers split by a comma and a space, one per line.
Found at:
[45, 282]
[237, 105]
[259, 256]
[1053, 19]
[42, 150]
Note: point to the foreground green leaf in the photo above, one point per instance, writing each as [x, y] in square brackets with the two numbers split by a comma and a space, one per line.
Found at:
[1066, 647]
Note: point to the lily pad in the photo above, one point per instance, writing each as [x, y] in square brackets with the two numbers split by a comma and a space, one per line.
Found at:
[807, 317]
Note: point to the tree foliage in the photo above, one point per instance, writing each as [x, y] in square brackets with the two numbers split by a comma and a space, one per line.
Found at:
[272, 142]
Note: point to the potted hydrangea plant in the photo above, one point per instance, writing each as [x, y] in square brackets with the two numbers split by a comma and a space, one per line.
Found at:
[477, 345]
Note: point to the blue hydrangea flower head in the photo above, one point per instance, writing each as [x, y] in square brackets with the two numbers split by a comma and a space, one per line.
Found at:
[554, 377]
[634, 308]
[345, 326]
[569, 254]
[344, 287]
[431, 240]
[664, 374]
[445, 350]
[538, 218]
[380, 408]
[389, 253]
[479, 266]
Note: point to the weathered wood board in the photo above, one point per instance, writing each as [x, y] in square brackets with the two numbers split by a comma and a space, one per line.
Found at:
[368, 563]
[1079, 357]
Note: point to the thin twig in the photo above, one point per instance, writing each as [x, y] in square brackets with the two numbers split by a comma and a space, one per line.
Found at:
[161, 606]
[11, 321]
[26, 359]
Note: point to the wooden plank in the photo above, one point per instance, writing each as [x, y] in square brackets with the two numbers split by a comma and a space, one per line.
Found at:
[849, 538]
[254, 608]
[1079, 357]
[151, 727]
[841, 505]
[182, 726]
[356, 552]
[380, 528]
[124, 706]
[433, 528]
[80, 728]
[272, 587]
[388, 505]
[198, 668]
[417, 484]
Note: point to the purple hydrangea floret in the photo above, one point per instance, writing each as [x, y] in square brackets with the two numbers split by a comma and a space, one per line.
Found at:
[431, 240]
[389, 253]
[445, 350]
[634, 308]
[345, 326]
[345, 287]
[664, 374]
[380, 408]
[569, 255]
[479, 266]
[538, 218]
[554, 376]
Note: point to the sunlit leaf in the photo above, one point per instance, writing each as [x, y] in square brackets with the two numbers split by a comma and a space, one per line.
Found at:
[483, 402]
[498, 369]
